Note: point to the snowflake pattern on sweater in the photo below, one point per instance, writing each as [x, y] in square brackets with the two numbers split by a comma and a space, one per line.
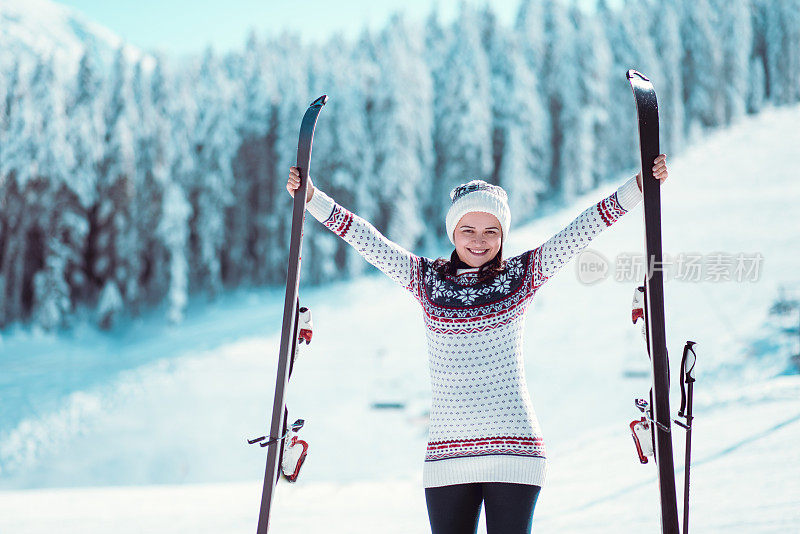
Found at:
[465, 293]
[482, 425]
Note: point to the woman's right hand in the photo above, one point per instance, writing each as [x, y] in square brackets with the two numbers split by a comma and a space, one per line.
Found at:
[294, 183]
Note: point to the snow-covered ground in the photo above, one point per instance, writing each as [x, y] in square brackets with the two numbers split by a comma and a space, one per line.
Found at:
[146, 433]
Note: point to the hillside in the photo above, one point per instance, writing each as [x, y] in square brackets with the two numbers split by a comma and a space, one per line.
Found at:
[34, 29]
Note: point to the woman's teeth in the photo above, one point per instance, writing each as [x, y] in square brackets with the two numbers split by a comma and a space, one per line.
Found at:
[478, 252]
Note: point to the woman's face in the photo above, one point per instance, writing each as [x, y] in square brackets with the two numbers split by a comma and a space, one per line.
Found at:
[478, 238]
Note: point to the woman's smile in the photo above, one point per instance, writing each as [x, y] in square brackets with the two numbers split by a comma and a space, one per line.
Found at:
[478, 237]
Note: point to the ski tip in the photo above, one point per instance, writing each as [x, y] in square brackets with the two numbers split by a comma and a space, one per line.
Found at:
[321, 101]
[632, 72]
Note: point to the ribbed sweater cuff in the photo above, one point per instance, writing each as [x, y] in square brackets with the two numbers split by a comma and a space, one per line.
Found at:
[493, 468]
[320, 205]
[628, 194]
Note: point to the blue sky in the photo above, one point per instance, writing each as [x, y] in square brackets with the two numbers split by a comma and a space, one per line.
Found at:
[185, 26]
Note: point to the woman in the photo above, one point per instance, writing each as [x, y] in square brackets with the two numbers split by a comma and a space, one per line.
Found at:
[484, 442]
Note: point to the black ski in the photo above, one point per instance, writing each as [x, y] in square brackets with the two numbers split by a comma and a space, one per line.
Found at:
[647, 112]
[278, 429]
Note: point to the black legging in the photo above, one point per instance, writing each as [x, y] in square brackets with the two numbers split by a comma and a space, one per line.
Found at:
[455, 509]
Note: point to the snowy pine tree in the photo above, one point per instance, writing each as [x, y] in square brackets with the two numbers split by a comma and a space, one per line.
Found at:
[755, 86]
[127, 184]
[436, 44]
[174, 231]
[253, 111]
[782, 36]
[12, 240]
[84, 135]
[736, 41]
[177, 211]
[593, 61]
[462, 117]
[113, 261]
[519, 128]
[153, 153]
[529, 27]
[49, 234]
[344, 157]
[289, 101]
[209, 190]
[758, 81]
[666, 36]
[561, 99]
[619, 134]
[702, 60]
[402, 119]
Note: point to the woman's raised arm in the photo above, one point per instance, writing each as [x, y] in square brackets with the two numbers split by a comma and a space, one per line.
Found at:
[564, 245]
[393, 260]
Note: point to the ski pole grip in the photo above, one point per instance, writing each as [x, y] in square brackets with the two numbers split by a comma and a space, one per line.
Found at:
[689, 360]
[687, 373]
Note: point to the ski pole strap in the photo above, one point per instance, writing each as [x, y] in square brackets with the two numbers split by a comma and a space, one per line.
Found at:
[688, 360]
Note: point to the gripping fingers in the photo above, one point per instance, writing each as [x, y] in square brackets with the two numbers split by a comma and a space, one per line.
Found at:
[660, 167]
[294, 180]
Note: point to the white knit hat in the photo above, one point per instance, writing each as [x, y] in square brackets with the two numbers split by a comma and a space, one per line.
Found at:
[478, 195]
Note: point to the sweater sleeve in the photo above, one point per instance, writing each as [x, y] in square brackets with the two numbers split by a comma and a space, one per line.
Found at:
[554, 253]
[393, 260]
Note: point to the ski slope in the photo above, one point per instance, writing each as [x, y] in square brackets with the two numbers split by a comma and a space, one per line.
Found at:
[146, 433]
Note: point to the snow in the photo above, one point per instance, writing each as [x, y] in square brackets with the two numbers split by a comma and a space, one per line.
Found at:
[31, 29]
[145, 432]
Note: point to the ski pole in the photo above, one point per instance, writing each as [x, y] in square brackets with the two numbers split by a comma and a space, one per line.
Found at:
[687, 389]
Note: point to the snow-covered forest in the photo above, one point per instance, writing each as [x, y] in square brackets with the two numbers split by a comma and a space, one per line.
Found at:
[133, 182]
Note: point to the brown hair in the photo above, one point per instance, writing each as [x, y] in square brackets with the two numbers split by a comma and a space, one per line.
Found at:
[486, 271]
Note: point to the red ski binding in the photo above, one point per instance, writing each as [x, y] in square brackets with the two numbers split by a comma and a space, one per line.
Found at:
[293, 459]
[640, 430]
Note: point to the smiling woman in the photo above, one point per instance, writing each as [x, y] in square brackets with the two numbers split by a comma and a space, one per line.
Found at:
[484, 441]
[477, 222]
[478, 238]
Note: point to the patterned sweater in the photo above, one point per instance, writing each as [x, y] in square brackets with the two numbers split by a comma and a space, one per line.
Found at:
[482, 424]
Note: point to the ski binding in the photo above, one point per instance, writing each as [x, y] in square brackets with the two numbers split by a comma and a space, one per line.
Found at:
[306, 326]
[643, 438]
[637, 310]
[296, 426]
[293, 458]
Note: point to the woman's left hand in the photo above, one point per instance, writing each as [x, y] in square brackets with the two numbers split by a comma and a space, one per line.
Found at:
[659, 170]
